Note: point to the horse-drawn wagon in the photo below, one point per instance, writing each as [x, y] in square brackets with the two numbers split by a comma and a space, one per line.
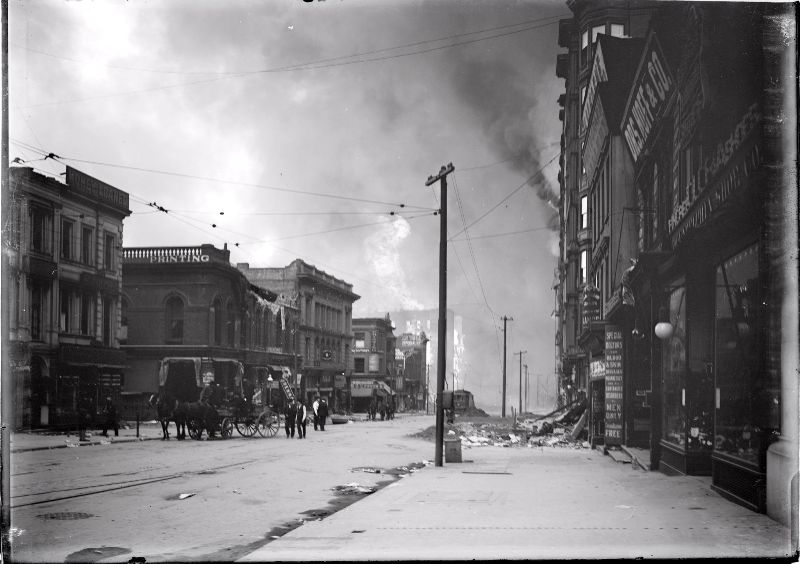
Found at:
[211, 395]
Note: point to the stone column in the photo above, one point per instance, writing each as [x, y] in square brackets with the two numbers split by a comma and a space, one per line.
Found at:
[782, 214]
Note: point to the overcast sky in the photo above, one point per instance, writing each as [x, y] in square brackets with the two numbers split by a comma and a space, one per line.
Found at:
[291, 129]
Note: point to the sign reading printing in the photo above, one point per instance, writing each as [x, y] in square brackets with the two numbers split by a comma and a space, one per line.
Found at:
[648, 99]
[613, 362]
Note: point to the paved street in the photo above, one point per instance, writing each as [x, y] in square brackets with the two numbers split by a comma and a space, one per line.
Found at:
[274, 500]
[118, 500]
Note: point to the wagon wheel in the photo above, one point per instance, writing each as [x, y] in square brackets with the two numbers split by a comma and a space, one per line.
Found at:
[267, 424]
[226, 428]
[195, 428]
[247, 427]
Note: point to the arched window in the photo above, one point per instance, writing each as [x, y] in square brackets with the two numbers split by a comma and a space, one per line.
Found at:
[231, 321]
[218, 317]
[174, 320]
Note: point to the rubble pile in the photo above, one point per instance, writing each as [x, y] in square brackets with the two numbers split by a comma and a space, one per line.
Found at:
[562, 428]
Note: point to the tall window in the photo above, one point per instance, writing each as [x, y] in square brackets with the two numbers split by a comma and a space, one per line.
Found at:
[38, 301]
[584, 212]
[674, 360]
[41, 230]
[174, 320]
[87, 314]
[279, 328]
[358, 365]
[360, 341]
[583, 278]
[67, 235]
[219, 315]
[231, 323]
[108, 320]
[86, 245]
[109, 251]
[65, 306]
[597, 30]
[618, 30]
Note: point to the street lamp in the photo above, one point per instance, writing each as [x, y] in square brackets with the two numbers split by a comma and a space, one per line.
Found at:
[270, 380]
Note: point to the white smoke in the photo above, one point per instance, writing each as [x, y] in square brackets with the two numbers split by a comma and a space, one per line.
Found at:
[382, 250]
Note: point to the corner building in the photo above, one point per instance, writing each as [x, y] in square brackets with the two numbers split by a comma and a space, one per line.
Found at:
[700, 309]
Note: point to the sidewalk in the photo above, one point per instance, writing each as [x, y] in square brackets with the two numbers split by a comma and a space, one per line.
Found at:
[534, 503]
[22, 441]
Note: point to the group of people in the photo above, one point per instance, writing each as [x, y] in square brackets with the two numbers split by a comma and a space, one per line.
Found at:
[86, 416]
[386, 410]
[296, 417]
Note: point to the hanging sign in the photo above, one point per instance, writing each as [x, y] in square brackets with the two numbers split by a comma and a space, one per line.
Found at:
[613, 370]
[648, 98]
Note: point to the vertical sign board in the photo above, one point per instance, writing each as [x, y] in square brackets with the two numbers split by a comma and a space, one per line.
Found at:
[613, 385]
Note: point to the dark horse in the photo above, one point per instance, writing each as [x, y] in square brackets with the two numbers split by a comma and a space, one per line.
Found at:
[198, 416]
[169, 409]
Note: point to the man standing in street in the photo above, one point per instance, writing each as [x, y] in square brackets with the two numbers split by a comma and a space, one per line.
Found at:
[315, 409]
[290, 413]
[322, 413]
[301, 420]
[110, 422]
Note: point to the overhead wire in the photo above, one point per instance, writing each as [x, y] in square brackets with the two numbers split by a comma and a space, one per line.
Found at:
[302, 67]
[501, 202]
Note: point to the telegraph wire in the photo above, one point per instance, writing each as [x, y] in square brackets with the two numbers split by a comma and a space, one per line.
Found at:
[506, 160]
[303, 67]
[300, 66]
[517, 189]
[493, 235]
[225, 181]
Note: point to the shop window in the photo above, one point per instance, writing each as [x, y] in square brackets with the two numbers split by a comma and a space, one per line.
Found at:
[41, 230]
[675, 371]
[747, 403]
[67, 235]
[174, 320]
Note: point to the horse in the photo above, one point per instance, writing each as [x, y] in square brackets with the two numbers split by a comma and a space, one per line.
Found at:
[165, 406]
[169, 409]
[199, 414]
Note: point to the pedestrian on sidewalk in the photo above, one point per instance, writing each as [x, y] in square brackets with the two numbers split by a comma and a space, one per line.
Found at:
[291, 415]
[85, 415]
[110, 419]
[315, 409]
[322, 411]
[302, 414]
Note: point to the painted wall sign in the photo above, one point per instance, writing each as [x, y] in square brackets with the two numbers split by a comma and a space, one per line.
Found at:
[597, 369]
[599, 74]
[706, 199]
[649, 96]
[90, 187]
[179, 258]
[614, 377]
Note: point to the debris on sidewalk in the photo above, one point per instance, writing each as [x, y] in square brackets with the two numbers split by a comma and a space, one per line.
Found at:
[564, 427]
[186, 495]
[353, 488]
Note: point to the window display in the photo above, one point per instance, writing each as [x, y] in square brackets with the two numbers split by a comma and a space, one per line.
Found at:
[747, 403]
[675, 371]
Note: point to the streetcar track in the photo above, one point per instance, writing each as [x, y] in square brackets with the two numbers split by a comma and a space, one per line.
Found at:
[126, 484]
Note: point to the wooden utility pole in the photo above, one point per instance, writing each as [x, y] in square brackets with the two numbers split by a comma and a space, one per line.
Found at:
[505, 354]
[441, 352]
[526, 387]
[520, 353]
[7, 410]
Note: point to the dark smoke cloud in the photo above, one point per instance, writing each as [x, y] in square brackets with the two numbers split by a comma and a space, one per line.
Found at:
[503, 101]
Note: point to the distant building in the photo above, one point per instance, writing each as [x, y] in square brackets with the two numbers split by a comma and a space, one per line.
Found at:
[374, 362]
[413, 352]
[62, 256]
[324, 334]
[417, 322]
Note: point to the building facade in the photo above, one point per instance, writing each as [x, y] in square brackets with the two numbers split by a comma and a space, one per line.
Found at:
[324, 333]
[375, 370]
[413, 350]
[65, 276]
[689, 330]
[190, 306]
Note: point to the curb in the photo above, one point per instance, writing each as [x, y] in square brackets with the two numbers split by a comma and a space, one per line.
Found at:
[83, 444]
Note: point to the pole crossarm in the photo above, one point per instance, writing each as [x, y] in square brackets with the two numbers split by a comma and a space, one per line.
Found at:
[444, 171]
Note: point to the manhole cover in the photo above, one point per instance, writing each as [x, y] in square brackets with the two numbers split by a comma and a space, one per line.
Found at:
[66, 516]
